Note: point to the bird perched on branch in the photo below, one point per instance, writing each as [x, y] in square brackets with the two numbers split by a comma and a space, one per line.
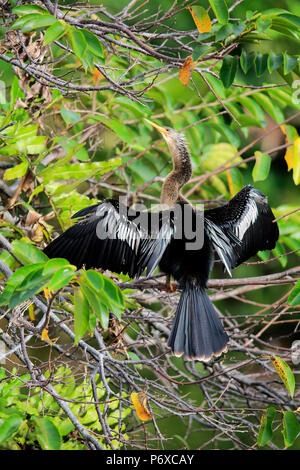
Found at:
[181, 243]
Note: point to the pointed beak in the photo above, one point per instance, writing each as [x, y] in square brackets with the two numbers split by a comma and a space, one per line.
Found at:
[160, 129]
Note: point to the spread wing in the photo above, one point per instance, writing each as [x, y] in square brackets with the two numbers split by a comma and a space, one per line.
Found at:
[242, 227]
[108, 236]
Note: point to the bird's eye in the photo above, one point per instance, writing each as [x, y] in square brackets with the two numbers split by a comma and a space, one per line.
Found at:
[167, 129]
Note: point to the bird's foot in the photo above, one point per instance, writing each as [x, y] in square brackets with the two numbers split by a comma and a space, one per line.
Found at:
[171, 286]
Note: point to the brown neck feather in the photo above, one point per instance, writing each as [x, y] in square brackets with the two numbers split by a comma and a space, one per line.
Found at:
[179, 176]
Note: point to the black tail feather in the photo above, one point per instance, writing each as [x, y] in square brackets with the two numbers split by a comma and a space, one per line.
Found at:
[197, 332]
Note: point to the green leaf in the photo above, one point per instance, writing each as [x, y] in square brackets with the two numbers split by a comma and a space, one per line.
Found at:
[6, 295]
[238, 28]
[91, 296]
[54, 32]
[33, 21]
[28, 253]
[113, 292]
[294, 297]
[81, 314]
[48, 435]
[79, 43]
[230, 135]
[88, 60]
[292, 19]
[247, 60]
[289, 63]
[94, 279]
[79, 171]
[274, 61]
[27, 9]
[26, 145]
[265, 431]
[286, 32]
[17, 171]
[37, 190]
[253, 107]
[291, 428]
[270, 107]
[124, 132]
[69, 116]
[136, 108]
[62, 277]
[216, 155]
[200, 50]
[261, 63]
[92, 321]
[237, 179]
[228, 70]
[23, 284]
[54, 264]
[33, 283]
[93, 43]
[264, 255]
[223, 32]
[9, 427]
[220, 10]
[216, 85]
[279, 251]
[103, 315]
[262, 24]
[283, 22]
[273, 12]
[285, 373]
[262, 166]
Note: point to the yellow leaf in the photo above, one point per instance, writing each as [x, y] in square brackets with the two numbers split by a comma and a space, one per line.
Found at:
[285, 373]
[31, 312]
[292, 158]
[140, 403]
[296, 166]
[201, 19]
[186, 70]
[48, 293]
[292, 155]
[289, 157]
[230, 182]
[46, 338]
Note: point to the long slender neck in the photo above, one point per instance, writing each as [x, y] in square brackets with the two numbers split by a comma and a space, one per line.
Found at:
[179, 176]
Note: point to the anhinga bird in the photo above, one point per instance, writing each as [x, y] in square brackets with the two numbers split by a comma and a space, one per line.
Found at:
[108, 236]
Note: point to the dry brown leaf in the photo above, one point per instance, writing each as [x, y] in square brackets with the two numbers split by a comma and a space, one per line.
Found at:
[186, 71]
[32, 217]
[140, 403]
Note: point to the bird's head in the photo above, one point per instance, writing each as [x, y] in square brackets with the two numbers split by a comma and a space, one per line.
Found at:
[173, 138]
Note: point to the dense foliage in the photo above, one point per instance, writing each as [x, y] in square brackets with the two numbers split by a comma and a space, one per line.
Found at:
[76, 83]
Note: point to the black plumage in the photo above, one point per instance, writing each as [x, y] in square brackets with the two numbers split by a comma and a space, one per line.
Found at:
[110, 236]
